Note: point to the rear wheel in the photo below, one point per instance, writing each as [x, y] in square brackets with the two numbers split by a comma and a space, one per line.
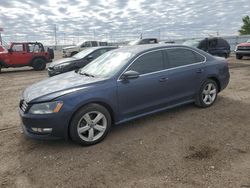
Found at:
[90, 124]
[207, 94]
[39, 64]
[238, 56]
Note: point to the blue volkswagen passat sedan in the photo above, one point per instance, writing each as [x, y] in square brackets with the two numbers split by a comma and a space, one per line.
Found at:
[119, 86]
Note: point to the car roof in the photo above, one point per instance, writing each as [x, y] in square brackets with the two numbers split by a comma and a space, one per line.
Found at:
[146, 47]
[100, 47]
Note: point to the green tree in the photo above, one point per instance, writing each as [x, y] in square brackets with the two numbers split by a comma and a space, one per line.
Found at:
[245, 29]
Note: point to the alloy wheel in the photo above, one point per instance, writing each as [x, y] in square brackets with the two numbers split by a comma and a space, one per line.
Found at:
[209, 93]
[92, 126]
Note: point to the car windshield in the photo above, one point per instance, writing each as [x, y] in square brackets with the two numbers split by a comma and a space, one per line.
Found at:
[192, 43]
[107, 65]
[134, 42]
[83, 53]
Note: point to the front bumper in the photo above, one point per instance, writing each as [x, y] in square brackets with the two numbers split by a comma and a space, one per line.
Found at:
[57, 122]
[243, 52]
[66, 54]
[53, 72]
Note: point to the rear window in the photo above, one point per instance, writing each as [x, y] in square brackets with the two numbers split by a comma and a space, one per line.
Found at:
[180, 57]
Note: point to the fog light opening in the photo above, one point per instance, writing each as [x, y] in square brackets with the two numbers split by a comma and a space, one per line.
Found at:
[41, 130]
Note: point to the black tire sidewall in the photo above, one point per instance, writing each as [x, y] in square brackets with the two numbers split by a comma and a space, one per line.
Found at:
[39, 64]
[238, 56]
[74, 122]
[200, 101]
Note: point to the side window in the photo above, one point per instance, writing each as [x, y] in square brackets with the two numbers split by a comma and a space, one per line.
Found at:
[94, 43]
[212, 43]
[37, 48]
[180, 57]
[97, 53]
[87, 44]
[18, 47]
[147, 63]
[198, 57]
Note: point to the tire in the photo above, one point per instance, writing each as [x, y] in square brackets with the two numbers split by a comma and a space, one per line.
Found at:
[207, 94]
[238, 56]
[39, 64]
[84, 128]
[51, 53]
[73, 53]
[225, 55]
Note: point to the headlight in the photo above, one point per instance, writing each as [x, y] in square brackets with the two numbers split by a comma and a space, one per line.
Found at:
[46, 108]
[61, 66]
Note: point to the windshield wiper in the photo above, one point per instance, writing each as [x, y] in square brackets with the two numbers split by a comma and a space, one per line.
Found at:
[86, 74]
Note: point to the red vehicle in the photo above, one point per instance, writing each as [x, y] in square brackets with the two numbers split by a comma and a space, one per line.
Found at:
[242, 49]
[1, 49]
[26, 54]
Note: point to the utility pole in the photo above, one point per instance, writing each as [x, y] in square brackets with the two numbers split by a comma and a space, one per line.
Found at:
[1, 40]
[218, 33]
[55, 35]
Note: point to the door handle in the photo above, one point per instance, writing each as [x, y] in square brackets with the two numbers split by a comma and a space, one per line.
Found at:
[199, 70]
[164, 79]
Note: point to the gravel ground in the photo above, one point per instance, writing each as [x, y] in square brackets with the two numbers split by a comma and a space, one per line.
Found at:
[182, 147]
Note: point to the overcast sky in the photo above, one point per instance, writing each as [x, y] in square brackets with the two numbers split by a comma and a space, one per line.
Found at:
[120, 19]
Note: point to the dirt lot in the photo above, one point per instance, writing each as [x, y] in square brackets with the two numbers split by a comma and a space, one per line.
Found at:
[183, 147]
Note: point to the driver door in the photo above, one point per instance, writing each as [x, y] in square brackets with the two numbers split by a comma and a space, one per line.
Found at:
[18, 56]
[145, 93]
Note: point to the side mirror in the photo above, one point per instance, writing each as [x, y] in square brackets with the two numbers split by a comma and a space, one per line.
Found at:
[90, 58]
[10, 50]
[130, 75]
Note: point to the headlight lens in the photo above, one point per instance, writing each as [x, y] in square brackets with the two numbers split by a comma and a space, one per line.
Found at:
[46, 108]
[61, 66]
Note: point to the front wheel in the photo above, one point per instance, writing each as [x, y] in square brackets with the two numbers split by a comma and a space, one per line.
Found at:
[207, 94]
[90, 124]
[238, 56]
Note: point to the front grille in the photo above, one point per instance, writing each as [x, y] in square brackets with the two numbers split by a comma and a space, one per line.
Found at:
[243, 48]
[24, 106]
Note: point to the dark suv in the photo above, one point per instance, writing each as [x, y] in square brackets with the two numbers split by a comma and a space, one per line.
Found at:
[215, 46]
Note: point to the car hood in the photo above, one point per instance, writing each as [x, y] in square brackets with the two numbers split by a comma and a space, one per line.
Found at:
[61, 61]
[244, 44]
[69, 47]
[56, 86]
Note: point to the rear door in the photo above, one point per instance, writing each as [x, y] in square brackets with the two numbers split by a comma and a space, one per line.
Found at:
[146, 93]
[184, 74]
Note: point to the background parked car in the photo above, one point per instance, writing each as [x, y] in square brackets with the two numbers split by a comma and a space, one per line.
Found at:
[77, 61]
[22, 54]
[72, 50]
[143, 41]
[242, 49]
[215, 46]
[119, 86]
